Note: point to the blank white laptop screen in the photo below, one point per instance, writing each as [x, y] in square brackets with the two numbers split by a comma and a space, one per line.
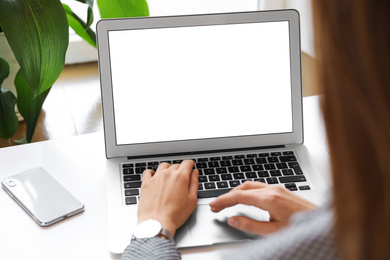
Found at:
[187, 83]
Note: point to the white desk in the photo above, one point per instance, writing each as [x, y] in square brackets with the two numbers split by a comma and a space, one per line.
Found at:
[77, 163]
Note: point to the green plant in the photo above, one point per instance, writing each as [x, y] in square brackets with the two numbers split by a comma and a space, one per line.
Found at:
[37, 32]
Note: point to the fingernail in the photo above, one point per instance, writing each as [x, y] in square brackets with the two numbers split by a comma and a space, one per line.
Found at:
[233, 222]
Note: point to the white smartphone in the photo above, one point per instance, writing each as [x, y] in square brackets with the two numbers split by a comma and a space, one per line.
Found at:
[41, 196]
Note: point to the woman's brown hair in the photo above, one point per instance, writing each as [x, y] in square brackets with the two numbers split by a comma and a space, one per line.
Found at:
[353, 50]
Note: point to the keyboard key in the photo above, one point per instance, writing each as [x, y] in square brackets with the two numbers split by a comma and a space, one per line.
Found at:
[153, 163]
[281, 166]
[233, 169]
[212, 193]
[263, 154]
[257, 167]
[272, 180]
[237, 162]
[222, 184]
[234, 183]
[226, 163]
[288, 153]
[290, 158]
[221, 170]
[208, 171]
[260, 180]
[249, 161]
[226, 177]
[177, 161]
[306, 187]
[203, 179]
[246, 168]
[140, 165]
[225, 158]
[134, 184]
[293, 164]
[132, 192]
[239, 156]
[292, 179]
[166, 161]
[140, 169]
[253, 155]
[132, 177]
[214, 178]
[238, 176]
[213, 164]
[276, 154]
[200, 186]
[201, 165]
[275, 173]
[128, 171]
[251, 175]
[200, 172]
[203, 159]
[270, 166]
[127, 165]
[215, 158]
[209, 185]
[153, 168]
[297, 170]
[263, 174]
[287, 172]
[291, 186]
[261, 160]
[131, 200]
[273, 159]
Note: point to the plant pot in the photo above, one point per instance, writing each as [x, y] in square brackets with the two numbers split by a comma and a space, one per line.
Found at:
[7, 54]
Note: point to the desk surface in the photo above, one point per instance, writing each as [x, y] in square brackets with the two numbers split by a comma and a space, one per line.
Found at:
[77, 163]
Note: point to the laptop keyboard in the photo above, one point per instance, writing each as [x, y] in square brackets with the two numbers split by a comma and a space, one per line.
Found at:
[220, 174]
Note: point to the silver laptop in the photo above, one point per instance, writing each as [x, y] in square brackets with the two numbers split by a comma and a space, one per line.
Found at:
[221, 89]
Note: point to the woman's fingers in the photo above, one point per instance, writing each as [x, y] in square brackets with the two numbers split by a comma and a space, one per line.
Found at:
[248, 185]
[194, 183]
[231, 198]
[234, 197]
[147, 174]
[163, 166]
[253, 226]
[186, 165]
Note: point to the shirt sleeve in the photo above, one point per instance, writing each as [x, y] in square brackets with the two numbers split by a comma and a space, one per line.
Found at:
[150, 249]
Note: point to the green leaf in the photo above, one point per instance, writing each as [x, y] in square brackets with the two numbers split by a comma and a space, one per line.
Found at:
[8, 118]
[90, 12]
[29, 104]
[79, 26]
[122, 8]
[37, 31]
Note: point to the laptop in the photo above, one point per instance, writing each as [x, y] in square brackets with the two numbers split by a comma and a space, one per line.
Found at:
[221, 89]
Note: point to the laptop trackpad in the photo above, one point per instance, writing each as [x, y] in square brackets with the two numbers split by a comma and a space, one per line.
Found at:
[213, 227]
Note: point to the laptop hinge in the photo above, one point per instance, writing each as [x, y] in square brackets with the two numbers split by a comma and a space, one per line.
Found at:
[204, 152]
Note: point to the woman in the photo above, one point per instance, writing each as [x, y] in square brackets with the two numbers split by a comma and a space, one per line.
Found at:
[352, 41]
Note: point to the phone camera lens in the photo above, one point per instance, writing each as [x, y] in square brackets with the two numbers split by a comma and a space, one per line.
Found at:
[11, 182]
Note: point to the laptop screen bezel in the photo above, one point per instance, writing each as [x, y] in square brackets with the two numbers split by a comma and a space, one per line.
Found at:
[201, 145]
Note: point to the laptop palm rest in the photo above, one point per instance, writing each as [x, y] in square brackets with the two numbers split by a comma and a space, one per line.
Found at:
[207, 228]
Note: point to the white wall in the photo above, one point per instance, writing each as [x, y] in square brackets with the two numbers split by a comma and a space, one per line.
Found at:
[304, 8]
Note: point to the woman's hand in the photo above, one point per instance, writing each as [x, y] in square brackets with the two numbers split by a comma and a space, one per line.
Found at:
[278, 201]
[169, 195]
